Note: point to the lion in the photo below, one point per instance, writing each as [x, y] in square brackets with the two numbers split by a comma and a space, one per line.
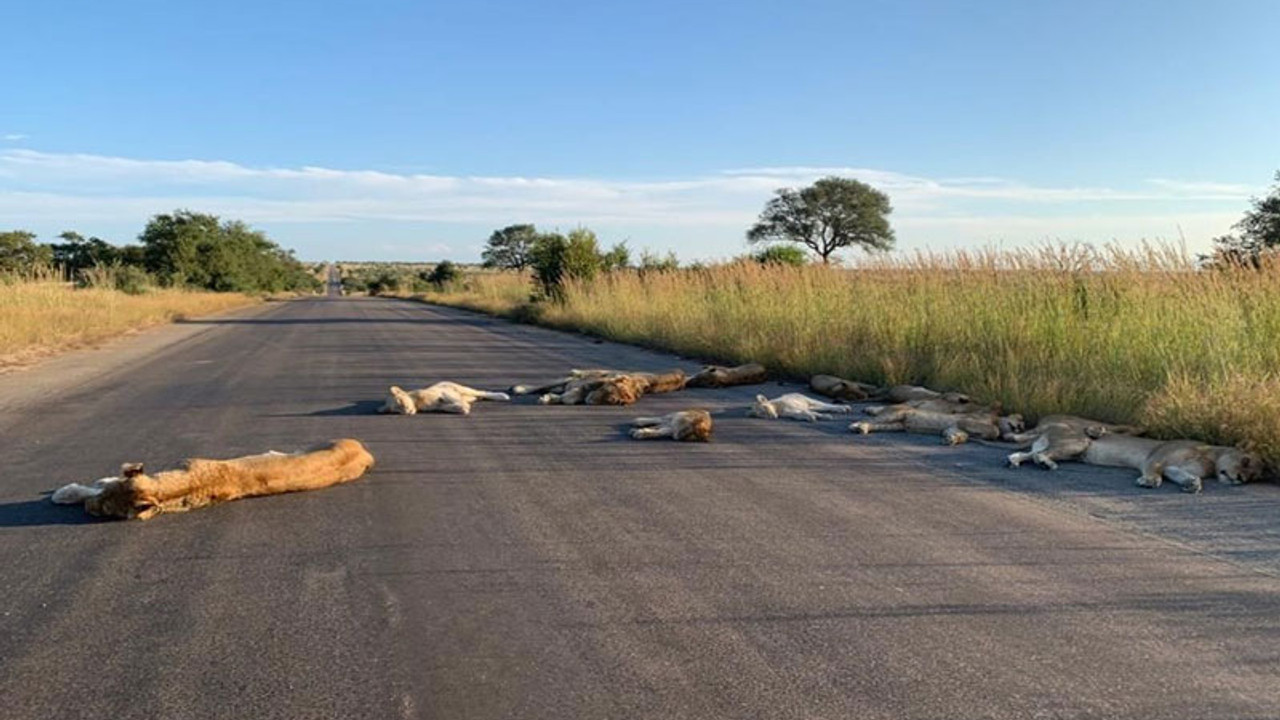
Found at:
[1186, 463]
[686, 425]
[841, 389]
[955, 427]
[200, 482]
[795, 406]
[938, 405]
[603, 387]
[719, 376]
[854, 391]
[1058, 438]
[446, 397]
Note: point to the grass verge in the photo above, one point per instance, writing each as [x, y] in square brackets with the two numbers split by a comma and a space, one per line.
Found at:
[41, 318]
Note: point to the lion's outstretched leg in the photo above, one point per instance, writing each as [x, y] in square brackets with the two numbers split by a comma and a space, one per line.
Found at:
[1037, 448]
[1189, 481]
[805, 415]
[866, 427]
[823, 407]
[654, 432]
[642, 422]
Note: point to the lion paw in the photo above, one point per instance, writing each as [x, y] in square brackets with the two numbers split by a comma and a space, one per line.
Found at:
[1148, 482]
[1194, 486]
[861, 427]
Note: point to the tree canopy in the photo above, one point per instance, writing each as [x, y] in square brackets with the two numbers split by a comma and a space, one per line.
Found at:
[510, 248]
[1258, 232]
[831, 214]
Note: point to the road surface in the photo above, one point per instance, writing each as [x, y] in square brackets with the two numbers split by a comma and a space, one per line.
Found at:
[532, 562]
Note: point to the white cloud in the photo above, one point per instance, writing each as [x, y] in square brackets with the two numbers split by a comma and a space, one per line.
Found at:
[68, 189]
[13, 137]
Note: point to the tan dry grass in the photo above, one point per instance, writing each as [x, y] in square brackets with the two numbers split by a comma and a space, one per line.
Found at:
[1136, 336]
[40, 318]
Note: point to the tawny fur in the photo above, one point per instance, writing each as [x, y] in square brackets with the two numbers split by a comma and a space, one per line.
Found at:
[955, 428]
[841, 389]
[446, 397]
[1186, 463]
[202, 482]
[603, 387]
[937, 405]
[795, 406]
[1057, 438]
[686, 425]
[908, 393]
[719, 376]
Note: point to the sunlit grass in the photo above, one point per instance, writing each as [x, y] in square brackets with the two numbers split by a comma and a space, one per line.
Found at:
[1137, 336]
[40, 316]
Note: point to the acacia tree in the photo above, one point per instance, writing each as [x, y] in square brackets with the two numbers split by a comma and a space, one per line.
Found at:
[831, 214]
[1259, 232]
[510, 248]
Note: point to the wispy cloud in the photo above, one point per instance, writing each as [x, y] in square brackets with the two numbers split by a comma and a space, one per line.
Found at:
[64, 188]
[13, 137]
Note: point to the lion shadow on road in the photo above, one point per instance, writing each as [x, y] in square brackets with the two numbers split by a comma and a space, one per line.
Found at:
[29, 513]
[359, 407]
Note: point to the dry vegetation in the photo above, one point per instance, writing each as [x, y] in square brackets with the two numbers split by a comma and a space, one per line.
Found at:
[40, 316]
[1124, 336]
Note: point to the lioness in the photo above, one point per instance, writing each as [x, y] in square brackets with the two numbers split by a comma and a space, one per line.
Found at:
[1185, 462]
[955, 428]
[446, 397]
[1058, 438]
[684, 425]
[841, 389]
[796, 407]
[203, 482]
[603, 387]
[719, 376]
[909, 393]
[938, 405]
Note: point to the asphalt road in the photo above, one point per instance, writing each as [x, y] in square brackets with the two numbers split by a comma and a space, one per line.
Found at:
[533, 562]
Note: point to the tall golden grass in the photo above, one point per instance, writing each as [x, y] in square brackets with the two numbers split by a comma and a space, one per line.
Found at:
[1122, 335]
[40, 316]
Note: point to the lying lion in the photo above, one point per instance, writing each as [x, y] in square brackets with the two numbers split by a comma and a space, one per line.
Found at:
[1058, 438]
[719, 376]
[603, 387]
[796, 407]
[446, 397]
[841, 389]
[955, 427]
[1186, 463]
[685, 425]
[854, 391]
[938, 405]
[203, 482]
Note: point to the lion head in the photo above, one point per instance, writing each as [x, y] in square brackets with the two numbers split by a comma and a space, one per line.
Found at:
[762, 408]
[124, 499]
[622, 390]
[399, 402]
[1011, 424]
[1237, 467]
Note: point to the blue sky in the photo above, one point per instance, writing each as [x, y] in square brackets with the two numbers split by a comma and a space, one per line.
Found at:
[410, 130]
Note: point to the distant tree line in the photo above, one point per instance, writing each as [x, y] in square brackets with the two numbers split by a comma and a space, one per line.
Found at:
[179, 249]
[554, 257]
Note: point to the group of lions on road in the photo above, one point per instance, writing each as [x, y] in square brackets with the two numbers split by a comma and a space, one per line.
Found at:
[954, 416]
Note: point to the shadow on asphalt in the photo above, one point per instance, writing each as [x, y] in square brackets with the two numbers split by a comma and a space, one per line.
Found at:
[360, 407]
[27, 513]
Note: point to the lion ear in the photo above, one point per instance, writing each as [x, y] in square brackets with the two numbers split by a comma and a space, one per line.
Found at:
[129, 470]
[761, 398]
